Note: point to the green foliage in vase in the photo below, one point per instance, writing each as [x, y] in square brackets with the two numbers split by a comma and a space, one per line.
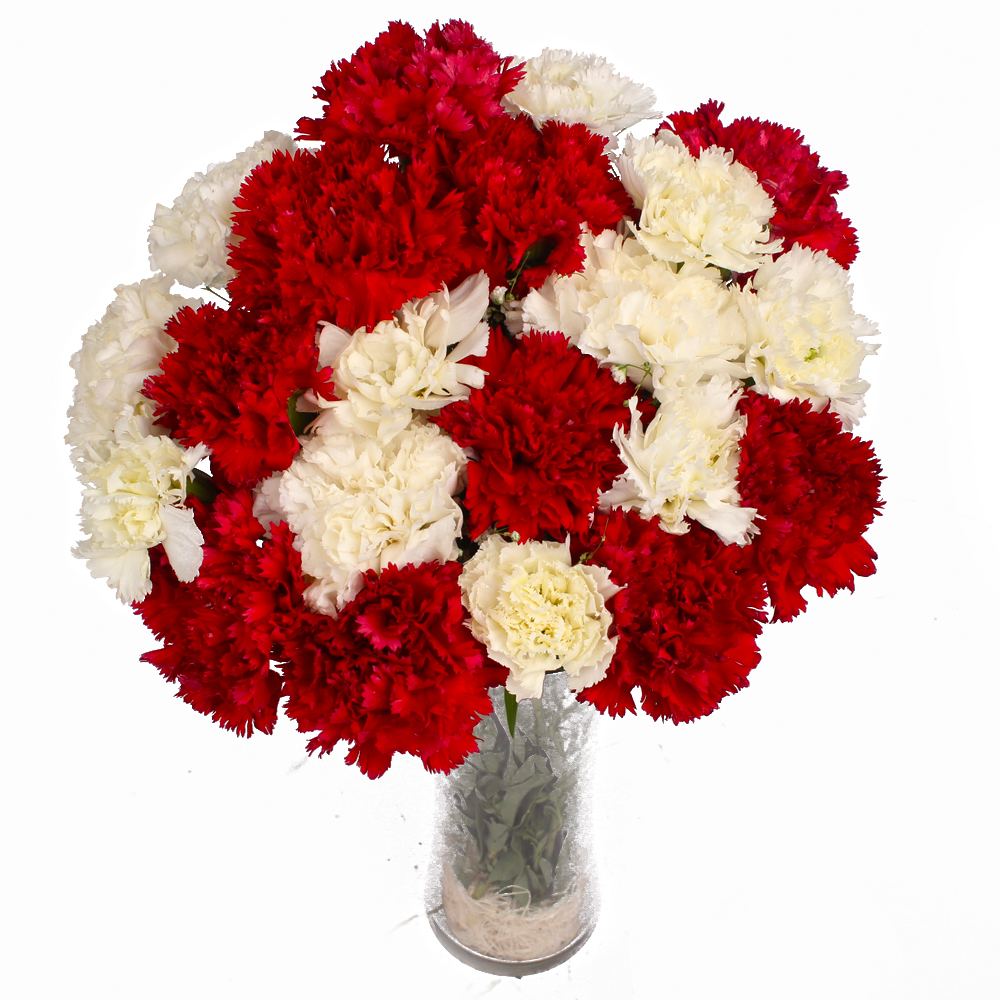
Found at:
[515, 815]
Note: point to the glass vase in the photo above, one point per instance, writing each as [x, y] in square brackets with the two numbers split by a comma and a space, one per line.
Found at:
[512, 890]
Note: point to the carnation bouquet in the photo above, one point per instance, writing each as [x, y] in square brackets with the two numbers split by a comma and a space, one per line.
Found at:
[493, 414]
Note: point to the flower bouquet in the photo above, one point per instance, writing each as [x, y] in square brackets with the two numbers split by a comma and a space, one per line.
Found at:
[495, 417]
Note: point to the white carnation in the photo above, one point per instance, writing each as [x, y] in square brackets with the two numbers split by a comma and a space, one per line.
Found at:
[118, 354]
[661, 327]
[684, 464]
[356, 504]
[705, 208]
[804, 333]
[135, 501]
[536, 612]
[569, 87]
[190, 241]
[413, 362]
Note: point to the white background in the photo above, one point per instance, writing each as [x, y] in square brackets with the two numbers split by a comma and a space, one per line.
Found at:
[831, 832]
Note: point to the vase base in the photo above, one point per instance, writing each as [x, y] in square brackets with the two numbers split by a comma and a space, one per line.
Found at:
[503, 966]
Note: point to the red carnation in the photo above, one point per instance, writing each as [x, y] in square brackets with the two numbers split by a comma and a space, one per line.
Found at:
[396, 672]
[228, 385]
[218, 631]
[816, 489]
[529, 193]
[347, 235]
[805, 210]
[541, 426]
[404, 90]
[344, 235]
[687, 617]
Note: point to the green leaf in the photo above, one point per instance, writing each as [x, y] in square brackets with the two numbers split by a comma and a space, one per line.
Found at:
[488, 785]
[510, 703]
[546, 871]
[557, 847]
[498, 834]
[480, 828]
[526, 770]
[493, 761]
[508, 868]
[502, 742]
[535, 884]
[202, 486]
[538, 252]
[515, 796]
[299, 420]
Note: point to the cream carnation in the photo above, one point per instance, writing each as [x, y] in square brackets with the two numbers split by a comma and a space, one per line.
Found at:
[705, 208]
[413, 362]
[804, 333]
[684, 464]
[116, 357]
[536, 612]
[661, 327]
[356, 504]
[135, 501]
[569, 87]
[190, 241]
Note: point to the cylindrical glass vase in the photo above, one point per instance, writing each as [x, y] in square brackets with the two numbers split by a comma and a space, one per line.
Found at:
[512, 890]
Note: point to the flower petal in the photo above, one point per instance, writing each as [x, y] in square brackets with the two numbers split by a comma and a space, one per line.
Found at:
[184, 541]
